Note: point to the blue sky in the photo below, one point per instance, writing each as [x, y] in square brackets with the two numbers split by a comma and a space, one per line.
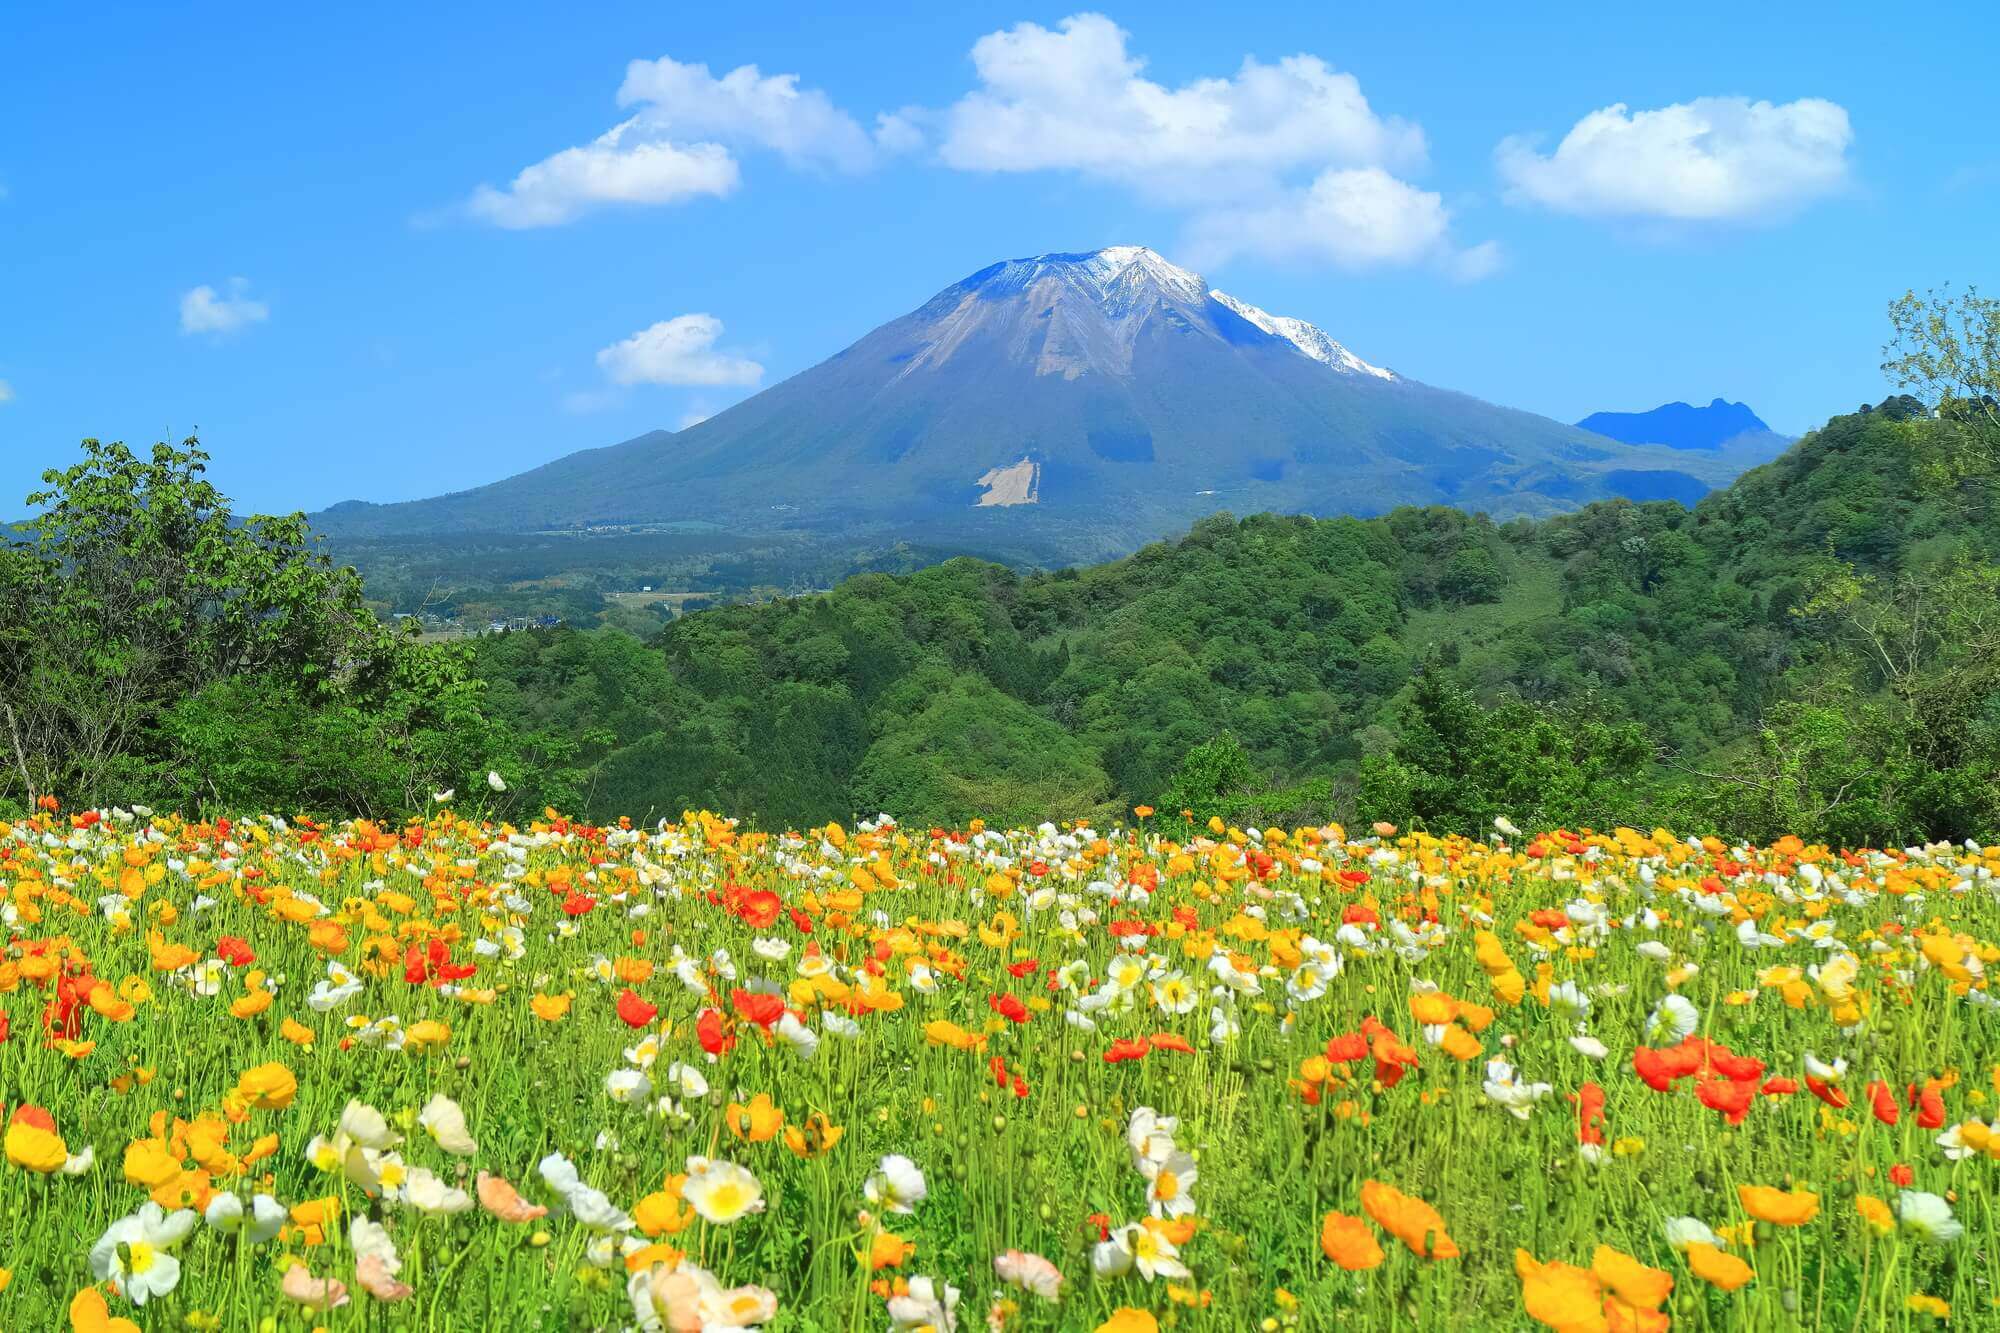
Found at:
[267, 222]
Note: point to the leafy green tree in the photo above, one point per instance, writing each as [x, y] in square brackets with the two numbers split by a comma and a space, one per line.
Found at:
[1946, 350]
[152, 642]
[1472, 575]
[1455, 765]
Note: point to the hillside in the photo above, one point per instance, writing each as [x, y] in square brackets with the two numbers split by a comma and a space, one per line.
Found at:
[968, 686]
[1071, 405]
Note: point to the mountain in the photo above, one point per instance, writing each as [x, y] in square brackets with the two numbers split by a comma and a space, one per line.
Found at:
[1681, 426]
[1073, 404]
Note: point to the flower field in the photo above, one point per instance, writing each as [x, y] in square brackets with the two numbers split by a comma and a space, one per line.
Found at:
[466, 1075]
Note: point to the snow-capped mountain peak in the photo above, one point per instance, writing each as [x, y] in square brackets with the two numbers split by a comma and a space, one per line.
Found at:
[1132, 263]
[1308, 338]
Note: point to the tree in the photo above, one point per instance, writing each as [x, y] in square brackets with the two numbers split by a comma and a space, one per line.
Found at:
[147, 635]
[1454, 765]
[1472, 575]
[1946, 350]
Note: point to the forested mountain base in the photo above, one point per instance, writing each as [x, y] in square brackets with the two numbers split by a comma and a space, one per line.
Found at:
[1813, 651]
[1621, 664]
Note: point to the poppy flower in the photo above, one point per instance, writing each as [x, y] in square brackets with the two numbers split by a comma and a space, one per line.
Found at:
[1730, 1098]
[757, 1007]
[1929, 1102]
[1559, 1295]
[634, 1011]
[1875, 1214]
[814, 1136]
[1127, 1048]
[713, 1032]
[759, 1122]
[503, 1201]
[1634, 1283]
[886, 1249]
[1589, 1101]
[1347, 1241]
[1408, 1219]
[1781, 1208]
[1717, 1268]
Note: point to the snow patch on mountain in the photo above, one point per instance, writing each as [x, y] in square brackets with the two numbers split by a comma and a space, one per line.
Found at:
[1308, 338]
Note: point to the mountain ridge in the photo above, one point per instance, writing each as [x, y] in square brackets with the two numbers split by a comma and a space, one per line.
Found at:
[1131, 396]
[1681, 425]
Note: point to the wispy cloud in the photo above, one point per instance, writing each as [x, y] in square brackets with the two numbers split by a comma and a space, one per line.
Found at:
[680, 350]
[205, 310]
[682, 141]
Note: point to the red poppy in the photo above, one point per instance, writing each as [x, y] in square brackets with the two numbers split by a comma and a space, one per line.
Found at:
[1392, 1058]
[1930, 1105]
[1780, 1087]
[1659, 1068]
[1346, 1048]
[756, 1007]
[62, 1016]
[235, 951]
[1008, 1007]
[1025, 968]
[29, 1114]
[1902, 1176]
[1589, 1101]
[1826, 1092]
[712, 1031]
[1729, 1097]
[1737, 1068]
[1883, 1102]
[759, 908]
[1127, 1048]
[635, 1012]
[432, 965]
[1170, 1041]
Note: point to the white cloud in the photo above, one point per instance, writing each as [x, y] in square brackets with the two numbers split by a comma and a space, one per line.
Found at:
[746, 109]
[1287, 160]
[681, 143]
[204, 310]
[1715, 159]
[610, 170]
[1354, 218]
[6, 392]
[1075, 99]
[693, 417]
[680, 350]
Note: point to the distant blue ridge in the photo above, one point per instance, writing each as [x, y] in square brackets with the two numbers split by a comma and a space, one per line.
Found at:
[1678, 425]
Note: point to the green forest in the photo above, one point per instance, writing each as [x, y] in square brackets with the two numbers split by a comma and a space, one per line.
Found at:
[1813, 650]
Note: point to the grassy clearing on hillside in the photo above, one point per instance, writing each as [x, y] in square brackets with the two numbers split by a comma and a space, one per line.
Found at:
[290, 1076]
